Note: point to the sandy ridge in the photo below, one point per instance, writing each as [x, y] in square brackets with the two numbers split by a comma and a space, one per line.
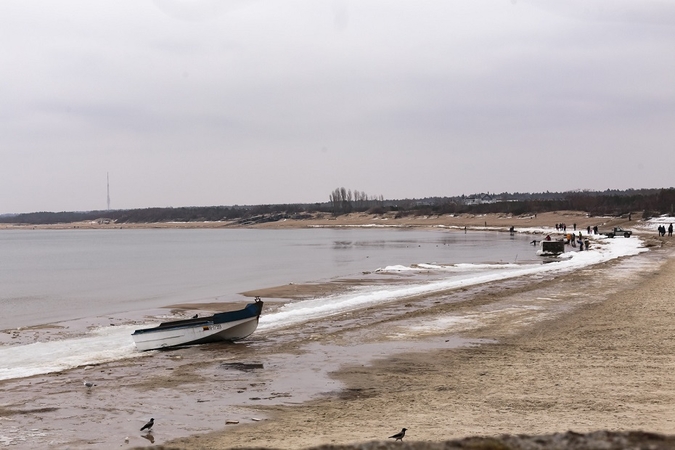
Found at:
[472, 221]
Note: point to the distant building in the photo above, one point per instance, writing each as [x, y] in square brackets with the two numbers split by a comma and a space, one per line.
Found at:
[479, 199]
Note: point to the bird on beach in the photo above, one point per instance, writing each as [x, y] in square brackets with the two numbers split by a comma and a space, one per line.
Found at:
[399, 436]
[148, 425]
[88, 384]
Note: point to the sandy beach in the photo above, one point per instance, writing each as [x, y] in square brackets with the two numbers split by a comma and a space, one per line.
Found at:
[607, 364]
[588, 352]
[497, 222]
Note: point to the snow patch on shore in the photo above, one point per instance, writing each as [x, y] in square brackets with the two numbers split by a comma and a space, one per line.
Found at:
[459, 275]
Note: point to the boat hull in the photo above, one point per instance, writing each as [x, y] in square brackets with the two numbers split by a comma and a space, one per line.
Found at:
[229, 326]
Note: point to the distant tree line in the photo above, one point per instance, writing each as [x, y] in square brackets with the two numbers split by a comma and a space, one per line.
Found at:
[155, 215]
[649, 202]
[344, 201]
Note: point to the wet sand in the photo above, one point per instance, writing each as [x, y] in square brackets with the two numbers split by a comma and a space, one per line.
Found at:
[603, 363]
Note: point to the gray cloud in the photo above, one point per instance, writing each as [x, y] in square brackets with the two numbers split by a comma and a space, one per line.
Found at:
[199, 10]
[623, 11]
[204, 102]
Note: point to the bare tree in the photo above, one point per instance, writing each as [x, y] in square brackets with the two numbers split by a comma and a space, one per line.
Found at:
[336, 201]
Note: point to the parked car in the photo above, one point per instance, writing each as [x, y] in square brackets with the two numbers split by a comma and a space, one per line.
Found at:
[618, 231]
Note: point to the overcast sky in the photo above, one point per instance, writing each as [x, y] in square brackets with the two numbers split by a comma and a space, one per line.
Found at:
[205, 102]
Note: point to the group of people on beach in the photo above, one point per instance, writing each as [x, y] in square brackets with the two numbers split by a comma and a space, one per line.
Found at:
[570, 239]
[662, 230]
[563, 227]
[573, 240]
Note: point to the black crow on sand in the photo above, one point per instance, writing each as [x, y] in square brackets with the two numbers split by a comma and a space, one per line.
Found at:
[148, 425]
[399, 436]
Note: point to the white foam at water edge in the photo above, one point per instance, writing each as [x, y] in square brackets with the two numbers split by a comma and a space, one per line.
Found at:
[459, 267]
[294, 313]
[101, 345]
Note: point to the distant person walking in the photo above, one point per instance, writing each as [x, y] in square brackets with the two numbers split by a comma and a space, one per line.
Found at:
[662, 230]
[670, 230]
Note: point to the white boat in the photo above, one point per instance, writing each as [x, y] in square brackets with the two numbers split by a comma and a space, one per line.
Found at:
[225, 326]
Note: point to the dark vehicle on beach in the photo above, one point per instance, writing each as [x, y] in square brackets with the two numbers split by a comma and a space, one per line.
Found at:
[618, 231]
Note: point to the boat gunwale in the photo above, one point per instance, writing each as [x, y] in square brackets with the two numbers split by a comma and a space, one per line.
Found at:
[255, 310]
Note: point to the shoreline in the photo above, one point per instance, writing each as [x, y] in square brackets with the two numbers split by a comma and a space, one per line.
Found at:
[606, 365]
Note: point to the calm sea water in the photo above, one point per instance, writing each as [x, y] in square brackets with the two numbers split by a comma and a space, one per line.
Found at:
[49, 276]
